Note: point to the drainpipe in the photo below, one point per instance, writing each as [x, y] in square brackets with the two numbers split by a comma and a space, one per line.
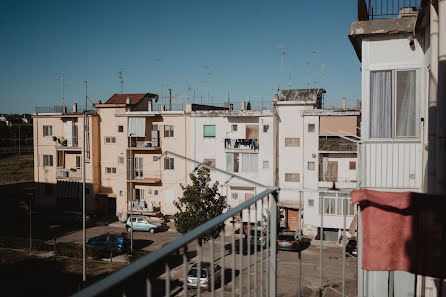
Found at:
[432, 103]
[441, 121]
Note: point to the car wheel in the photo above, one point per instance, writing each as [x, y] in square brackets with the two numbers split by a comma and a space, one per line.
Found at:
[152, 230]
[118, 250]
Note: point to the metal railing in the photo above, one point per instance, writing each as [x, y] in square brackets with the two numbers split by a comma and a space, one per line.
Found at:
[68, 142]
[371, 9]
[68, 173]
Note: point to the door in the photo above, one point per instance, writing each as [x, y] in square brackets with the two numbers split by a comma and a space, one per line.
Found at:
[252, 131]
[333, 171]
[293, 219]
[139, 167]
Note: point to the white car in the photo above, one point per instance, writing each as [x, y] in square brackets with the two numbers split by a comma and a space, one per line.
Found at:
[261, 236]
[141, 223]
[205, 277]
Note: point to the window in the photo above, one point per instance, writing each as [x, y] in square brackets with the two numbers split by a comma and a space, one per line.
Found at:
[311, 128]
[78, 162]
[393, 109]
[168, 131]
[155, 192]
[234, 196]
[233, 128]
[310, 202]
[154, 127]
[139, 194]
[329, 205]
[169, 163]
[120, 128]
[292, 177]
[110, 170]
[249, 162]
[120, 159]
[47, 131]
[311, 165]
[265, 128]
[333, 171]
[48, 160]
[60, 159]
[155, 158]
[110, 139]
[139, 167]
[293, 142]
[337, 205]
[121, 193]
[265, 164]
[209, 130]
[352, 165]
[210, 162]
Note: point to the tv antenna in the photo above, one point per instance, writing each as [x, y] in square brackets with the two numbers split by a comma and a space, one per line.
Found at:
[121, 78]
[63, 87]
[289, 83]
[208, 68]
[309, 70]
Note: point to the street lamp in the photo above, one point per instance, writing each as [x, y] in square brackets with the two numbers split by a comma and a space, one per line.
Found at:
[131, 194]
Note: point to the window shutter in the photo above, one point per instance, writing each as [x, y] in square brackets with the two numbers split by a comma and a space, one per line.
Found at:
[229, 164]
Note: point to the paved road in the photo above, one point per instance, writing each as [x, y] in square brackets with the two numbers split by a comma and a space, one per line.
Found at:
[287, 264]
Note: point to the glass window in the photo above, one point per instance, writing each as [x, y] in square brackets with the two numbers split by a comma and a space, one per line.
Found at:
[169, 163]
[292, 177]
[311, 165]
[310, 202]
[265, 164]
[406, 111]
[78, 162]
[169, 131]
[292, 142]
[234, 128]
[311, 128]
[381, 104]
[47, 160]
[265, 128]
[209, 130]
[47, 130]
[120, 128]
[352, 165]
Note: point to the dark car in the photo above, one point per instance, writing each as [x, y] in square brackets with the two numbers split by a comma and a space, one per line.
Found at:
[287, 242]
[351, 247]
[117, 243]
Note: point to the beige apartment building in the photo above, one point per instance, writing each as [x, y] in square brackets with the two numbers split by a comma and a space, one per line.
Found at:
[126, 155]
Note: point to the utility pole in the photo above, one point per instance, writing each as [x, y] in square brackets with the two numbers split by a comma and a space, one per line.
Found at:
[131, 194]
[121, 79]
[170, 99]
[63, 89]
[84, 233]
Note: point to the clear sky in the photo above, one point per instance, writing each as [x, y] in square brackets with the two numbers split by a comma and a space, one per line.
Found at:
[159, 44]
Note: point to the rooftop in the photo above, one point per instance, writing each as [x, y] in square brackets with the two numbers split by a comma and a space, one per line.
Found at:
[301, 94]
[134, 98]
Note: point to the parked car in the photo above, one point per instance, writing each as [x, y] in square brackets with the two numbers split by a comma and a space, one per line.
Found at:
[141, 223]
[351, 247]
[287, 242]
[261, 236]
[118, 243]
[205, 275]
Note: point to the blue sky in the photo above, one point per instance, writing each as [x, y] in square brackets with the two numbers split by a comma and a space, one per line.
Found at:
[159, 44]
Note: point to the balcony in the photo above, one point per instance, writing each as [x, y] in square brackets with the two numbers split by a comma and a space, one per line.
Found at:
[71, 143]
[144, 145]
[64, 173]
[244, 144]
[374, 9]
[142, 207]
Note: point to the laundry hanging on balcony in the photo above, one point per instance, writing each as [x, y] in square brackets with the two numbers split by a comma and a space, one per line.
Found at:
[403, 231]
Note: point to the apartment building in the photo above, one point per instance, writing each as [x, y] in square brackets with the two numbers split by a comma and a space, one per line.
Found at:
[312, 158]
[239, 142]
[58, 139]
[401, 85]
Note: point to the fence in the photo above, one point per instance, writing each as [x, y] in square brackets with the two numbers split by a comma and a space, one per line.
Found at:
[371, 9]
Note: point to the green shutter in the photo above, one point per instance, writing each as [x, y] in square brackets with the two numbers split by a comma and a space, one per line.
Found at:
[209, 130]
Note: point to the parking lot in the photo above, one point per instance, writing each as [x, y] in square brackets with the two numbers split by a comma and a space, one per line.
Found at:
[287, 263]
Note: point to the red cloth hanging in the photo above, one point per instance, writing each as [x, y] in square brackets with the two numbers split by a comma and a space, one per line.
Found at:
[403, 231]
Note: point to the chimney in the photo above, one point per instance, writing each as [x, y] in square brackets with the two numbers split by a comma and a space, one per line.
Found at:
[150, 107]
[231, 106]
[344, 103]
[74, 107]
[127, 101]
[243, 106]
[64, 109]
[163, 107]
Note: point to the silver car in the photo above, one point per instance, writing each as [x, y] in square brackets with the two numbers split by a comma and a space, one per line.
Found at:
[205, 275]
[261, 236]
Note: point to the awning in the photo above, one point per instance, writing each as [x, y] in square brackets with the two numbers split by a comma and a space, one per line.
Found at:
[289, 204]
[67, 189]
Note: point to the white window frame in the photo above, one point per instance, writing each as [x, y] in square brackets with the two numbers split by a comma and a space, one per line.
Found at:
[110, 139]
[169, 131]
[79, 160]
[394, 70]
[110, 170]
[170, 163]
[121, 160]
[47, 161]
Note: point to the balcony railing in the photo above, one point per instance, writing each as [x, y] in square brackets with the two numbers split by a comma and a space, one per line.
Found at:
[141, 206]
[371, 9]
[67, 142]
[68, 173]
[241, 144]
[336, 144]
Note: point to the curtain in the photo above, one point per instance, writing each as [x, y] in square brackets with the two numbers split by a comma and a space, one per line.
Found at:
[380, 104]
[137, 127]
[406, 104]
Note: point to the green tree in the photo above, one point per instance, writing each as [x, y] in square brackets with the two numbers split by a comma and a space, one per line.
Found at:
[199, 204]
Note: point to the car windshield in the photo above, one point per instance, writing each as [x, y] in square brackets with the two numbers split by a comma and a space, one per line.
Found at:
[286, 237]
[193, 273]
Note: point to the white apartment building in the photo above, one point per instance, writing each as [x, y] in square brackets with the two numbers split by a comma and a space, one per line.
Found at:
[239, 142]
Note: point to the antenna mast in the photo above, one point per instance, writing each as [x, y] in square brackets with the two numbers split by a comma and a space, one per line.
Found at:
[282, 47]
[121, 78]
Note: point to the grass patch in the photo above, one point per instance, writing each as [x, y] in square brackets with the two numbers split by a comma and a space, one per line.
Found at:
[16, 169]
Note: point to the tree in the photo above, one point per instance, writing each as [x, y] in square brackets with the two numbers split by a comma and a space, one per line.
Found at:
[199, 204]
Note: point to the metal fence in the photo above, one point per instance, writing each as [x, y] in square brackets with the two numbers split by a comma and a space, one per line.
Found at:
[371, 9]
